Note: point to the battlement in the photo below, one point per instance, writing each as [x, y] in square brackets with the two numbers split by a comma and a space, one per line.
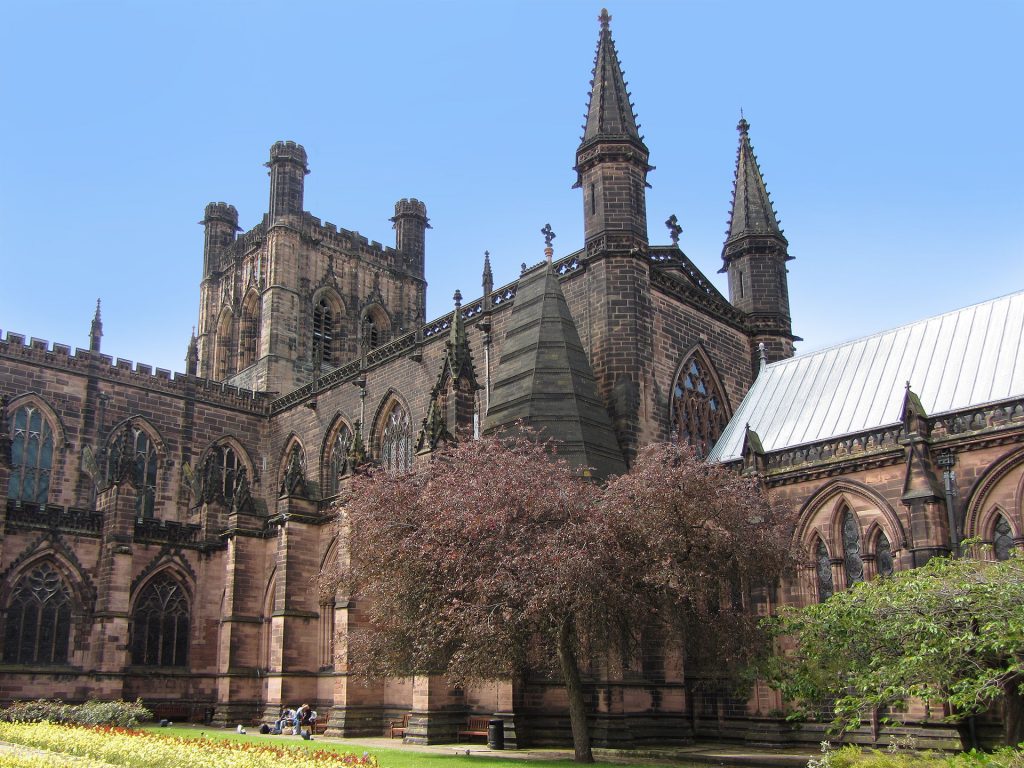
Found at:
[39, 352]
[288, 150]
[410, 207]
[221, 212]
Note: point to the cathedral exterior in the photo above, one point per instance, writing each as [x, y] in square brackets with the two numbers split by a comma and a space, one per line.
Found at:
[162, 533]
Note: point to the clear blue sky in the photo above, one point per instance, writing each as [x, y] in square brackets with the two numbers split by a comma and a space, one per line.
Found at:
[887, 132]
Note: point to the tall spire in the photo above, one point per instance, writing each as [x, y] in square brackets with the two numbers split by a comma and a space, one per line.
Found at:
[96, 330]
[488, 276]
[752, 211]
[610, 112]
[192, 355]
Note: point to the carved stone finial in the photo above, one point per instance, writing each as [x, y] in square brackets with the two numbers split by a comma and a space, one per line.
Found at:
[605, 18]
[674, 230]
[742, 126]
[549, 235]
[457, 298]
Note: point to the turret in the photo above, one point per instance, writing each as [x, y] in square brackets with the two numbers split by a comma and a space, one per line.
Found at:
[220, 221]
[611, 162]
[287, 178]
[411, 224]
[755, 255]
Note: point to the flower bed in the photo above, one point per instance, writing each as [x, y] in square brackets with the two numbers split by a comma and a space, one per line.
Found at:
[142, 749]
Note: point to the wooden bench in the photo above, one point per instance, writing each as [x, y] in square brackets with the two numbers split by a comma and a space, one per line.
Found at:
[319, 726]
[475, 727]
[397, 727]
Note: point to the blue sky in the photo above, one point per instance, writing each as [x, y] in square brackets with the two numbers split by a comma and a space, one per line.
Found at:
[887, 133]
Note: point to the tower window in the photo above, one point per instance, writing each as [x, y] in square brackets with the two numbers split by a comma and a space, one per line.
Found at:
[323, 333]
[31, 456]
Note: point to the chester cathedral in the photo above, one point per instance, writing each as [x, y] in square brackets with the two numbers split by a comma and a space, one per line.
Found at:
[162, 531]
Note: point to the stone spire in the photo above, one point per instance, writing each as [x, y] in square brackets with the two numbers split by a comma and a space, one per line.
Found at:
[752, 211]
[610, 113]
[544, 379]
[96, 331]
[192, 355]
[488, 276]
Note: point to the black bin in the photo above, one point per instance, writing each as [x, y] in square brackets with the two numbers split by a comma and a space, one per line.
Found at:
[495, 734]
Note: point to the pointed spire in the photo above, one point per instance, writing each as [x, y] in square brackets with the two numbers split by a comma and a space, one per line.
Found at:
[192, 355]
[458, 342]
[96, 331]
[609, 112]
[488, 277]
[752, 212]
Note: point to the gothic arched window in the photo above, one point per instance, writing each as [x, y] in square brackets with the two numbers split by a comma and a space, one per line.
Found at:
[31, 456]
[224, 348]
[248, 332]
[1002, 539]
[38, 624]
[338, 461]
[142, 455]
[883, 556]
[824, 571]
[396, 441]
[228, 461]
[698, 408]
[323, 333]
[853, 564]
[160, 625]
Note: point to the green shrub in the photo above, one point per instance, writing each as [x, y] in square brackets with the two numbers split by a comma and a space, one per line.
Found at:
[897, 757]
[117, 713]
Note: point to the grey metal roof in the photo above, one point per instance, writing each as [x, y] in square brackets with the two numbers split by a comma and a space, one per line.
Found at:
[957, 360]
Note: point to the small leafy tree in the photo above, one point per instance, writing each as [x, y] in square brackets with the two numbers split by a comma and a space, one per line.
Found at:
[950, 632]
[499, 558]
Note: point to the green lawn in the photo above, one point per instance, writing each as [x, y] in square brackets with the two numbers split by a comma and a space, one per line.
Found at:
[388, 758]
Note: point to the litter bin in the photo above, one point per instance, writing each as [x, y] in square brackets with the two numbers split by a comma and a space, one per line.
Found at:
[495, 734]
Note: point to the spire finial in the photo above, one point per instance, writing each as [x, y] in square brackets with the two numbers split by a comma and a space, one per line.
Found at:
[549, 235]
[674, 230]
[457, 298]
[742, 126]
[605, 19]
[96, 330]
[488, 276]
[762, 355]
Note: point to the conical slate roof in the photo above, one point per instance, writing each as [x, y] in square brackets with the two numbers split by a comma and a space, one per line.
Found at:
[544, 379]
[752, 211]
[610, 113]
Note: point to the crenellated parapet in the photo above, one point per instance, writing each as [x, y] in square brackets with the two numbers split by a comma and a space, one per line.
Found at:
[40, 353]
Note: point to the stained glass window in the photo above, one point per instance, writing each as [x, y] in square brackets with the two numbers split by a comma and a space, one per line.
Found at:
[1002, 539]
[824, 564]
[323, 332]
[698, 412]
[883, 556]
[853, 564]
[38, 625]
[160, 625]
[228, 463]
[339, 458]
[396, 441]
[31, 456]
[144, 468]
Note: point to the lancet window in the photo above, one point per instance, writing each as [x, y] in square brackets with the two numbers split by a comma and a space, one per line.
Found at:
[38, 623]
[883, 556]
[323, 333]
[824, 570]
[338, 464]
[1002, 539]
[160, 625]
[853, 563]
[31, 456]
[698, 408]
[396, 441]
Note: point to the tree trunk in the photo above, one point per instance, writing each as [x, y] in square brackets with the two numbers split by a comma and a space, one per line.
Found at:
[1013, 710]
[574, 687]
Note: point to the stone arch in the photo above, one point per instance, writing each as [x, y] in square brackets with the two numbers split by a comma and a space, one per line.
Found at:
[265, 649]
[35, 400]
[819, 510]
[147, 448]
[332, 465]
[699, 407]
[160, 617]
[36, 438]
[328, 312]
[249, 329]
[392, 432]
[1002, 485]
[374, 326]
[224, 347]
[140, 421]
[292, 467]
[220, 467]
[238, 449]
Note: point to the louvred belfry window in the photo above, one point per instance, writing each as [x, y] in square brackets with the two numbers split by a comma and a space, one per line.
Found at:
[323, 332]
[31, 456]
[698, 408]
[38, 623]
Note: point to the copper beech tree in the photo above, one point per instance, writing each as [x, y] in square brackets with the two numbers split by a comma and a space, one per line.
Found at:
[497, 557]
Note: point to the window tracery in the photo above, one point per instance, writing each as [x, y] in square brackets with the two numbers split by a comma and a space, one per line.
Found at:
[1002, 539]
[698, 408]
[884, 562]
[38, 623]
[396, 441]
[160, 625]
[824, 570]
[338, 463]
[853, 563]
[134, 446]
[31, 456]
